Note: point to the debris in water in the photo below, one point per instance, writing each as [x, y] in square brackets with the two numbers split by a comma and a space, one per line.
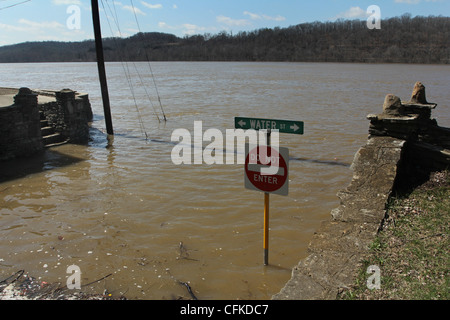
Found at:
[21, 286]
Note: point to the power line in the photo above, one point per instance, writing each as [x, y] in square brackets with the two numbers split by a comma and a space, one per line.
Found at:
[13, 5]
[148, 60]
[124, 63]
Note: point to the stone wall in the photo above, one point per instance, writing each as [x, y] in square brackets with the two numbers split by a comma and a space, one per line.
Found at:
[20, 131]
[69, 115]
[404, 145]
[428, 144]
[67, 112]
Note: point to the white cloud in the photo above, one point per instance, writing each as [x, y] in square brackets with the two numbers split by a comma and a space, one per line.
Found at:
[415, 1]
[352, 13]
[186, 28]
[191, 29]
[66, 2]
[151, 6]
[132, 30]
[232, 22]
[164, 25]
[40, 31]
[8, 27]
[255, 16]
[41, 25]
[277, 18]
[252, 16]
[134, 9]
[175, 6]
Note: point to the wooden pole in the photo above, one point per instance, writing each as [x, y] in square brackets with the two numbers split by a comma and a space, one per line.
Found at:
[101, 66]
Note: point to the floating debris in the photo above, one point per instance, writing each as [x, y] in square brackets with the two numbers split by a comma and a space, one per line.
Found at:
[183, 252]
[21, 286]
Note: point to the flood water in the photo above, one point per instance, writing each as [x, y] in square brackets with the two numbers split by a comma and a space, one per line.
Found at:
[128, 211]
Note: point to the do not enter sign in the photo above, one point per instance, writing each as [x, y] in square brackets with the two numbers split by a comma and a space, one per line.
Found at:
[267, 169]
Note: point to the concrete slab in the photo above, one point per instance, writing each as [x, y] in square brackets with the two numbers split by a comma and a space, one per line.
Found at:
[45, 99]
[6, 100]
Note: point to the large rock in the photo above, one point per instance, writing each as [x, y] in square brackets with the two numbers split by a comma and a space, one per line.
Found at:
[393, 105]
[418, 94]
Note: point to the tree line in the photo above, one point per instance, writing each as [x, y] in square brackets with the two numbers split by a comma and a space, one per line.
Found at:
[400, 40]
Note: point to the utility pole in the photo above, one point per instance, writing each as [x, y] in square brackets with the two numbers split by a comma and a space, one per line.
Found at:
[101, 66]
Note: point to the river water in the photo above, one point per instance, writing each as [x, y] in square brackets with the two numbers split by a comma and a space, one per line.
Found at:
[124, 209]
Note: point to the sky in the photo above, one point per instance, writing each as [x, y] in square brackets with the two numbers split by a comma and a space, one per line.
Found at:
[71, 20]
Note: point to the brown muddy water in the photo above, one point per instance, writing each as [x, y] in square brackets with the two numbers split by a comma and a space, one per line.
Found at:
[128, 211]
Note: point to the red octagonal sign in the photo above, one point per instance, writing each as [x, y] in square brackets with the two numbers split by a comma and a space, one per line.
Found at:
[267, 169]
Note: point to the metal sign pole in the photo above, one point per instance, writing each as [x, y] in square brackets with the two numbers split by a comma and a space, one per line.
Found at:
[266, 215]
[266, 228]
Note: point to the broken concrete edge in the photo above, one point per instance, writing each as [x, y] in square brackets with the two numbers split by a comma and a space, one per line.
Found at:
[338, 248]
[404, 146]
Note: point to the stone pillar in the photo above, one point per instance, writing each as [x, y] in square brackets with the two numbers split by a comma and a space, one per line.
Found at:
[393, 105]
[66, 98]
[65, 95]
[74, 115]
[26, 97]
[21, 129]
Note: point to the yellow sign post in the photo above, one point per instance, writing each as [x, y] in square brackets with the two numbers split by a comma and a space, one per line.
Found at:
[254, 179]
[266, 229]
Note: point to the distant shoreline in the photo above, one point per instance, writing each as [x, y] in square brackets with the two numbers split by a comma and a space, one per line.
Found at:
[218, 61]
[418, 40]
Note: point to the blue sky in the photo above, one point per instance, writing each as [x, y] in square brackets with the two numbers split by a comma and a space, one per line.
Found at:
[41, 20]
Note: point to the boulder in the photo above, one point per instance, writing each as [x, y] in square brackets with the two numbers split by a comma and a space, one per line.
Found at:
[393, 105]
[418, 94]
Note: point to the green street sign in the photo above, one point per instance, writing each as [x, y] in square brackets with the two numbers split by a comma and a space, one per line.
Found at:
[283, 126]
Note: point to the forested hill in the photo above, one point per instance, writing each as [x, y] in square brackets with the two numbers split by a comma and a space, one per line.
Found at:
[400, 40]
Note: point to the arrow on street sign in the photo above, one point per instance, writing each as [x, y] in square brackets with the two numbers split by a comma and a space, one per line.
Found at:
[242, 123]
[283, 126]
